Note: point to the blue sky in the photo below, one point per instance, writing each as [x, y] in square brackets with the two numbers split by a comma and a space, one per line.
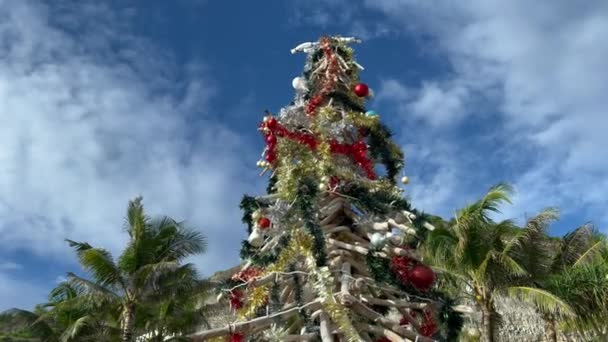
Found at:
[101, 103]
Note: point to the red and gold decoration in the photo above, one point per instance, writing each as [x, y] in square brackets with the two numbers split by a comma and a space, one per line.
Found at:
[357, 151]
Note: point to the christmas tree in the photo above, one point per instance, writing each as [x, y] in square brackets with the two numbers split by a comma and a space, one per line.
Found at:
[332, 248]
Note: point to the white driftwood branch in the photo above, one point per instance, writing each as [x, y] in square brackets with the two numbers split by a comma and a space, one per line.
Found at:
[345, 283]
[326, 335]
[257, 322]
[392, 336]
[393, 303]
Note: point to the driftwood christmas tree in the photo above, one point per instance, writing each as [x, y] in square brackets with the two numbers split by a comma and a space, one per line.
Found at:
[332, 248]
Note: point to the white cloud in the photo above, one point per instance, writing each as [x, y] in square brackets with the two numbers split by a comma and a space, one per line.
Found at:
[543, 65]
[434, 103]
[87, 124]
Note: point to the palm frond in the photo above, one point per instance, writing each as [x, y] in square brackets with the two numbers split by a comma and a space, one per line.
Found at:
[79, 247]
[544, 301]
[573, 245]
[136, 220]
[101, 266]
[92, 291]
[75, 329]
[594, 251]
[149, 275]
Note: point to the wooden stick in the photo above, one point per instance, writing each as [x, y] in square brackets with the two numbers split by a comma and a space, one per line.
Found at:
[356, 238]
[381, 331]
[405, 313]
[337, 229]
[305, 337]
[330, 218]
[345, 283]
[326, 335]
[393, 303]
[257, 322]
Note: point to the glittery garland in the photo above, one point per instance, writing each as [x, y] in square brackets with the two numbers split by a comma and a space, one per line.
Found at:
[323, 285]
[300, 244]
[272, 129]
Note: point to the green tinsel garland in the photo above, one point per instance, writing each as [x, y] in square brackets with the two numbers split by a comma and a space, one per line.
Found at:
[304, 204]
[271, 182]
[378, 202]
[248, 205]
[384, 149]
[249, 252]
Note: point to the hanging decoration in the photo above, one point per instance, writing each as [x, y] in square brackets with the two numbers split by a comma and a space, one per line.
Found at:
[421, 276]
[361, 90]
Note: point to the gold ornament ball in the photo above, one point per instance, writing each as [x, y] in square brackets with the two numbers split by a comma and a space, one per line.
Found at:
[405, 180]
[323, 186]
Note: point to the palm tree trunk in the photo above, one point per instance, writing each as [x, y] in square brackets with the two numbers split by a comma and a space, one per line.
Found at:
[128, 323]
[488, 321]
[550, 327]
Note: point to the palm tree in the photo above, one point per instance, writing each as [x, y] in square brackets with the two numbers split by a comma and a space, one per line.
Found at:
[150, 261]
[66, 318]
[547, 260]
[585, 287]
[477, 254]
[172, 314]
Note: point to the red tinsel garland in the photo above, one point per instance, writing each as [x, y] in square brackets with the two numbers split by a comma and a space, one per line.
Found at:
[247, 274]
[401, 265]
[236, 299]
[428, 326]
[357, 151]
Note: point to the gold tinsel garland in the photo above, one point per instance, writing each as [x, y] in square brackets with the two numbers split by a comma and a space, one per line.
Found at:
[323, 285]
[301, 245]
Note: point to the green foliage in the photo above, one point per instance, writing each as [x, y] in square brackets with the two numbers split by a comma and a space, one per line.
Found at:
[248, 205]
[383, 148]
[304, 205]
[262, 259]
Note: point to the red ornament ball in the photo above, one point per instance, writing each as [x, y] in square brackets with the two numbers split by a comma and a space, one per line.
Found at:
[237, 337]
[271, 123]
[264, 222]
[361, 90]
[421, 276]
